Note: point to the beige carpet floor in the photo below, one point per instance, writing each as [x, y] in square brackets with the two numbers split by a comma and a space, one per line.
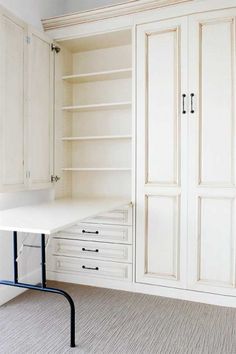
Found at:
[110, 321]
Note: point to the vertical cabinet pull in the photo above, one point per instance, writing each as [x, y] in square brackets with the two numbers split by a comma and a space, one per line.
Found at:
[183, 103]
[192, 103]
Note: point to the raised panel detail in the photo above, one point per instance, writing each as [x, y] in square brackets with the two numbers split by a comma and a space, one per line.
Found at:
[12, 103]
[216, 130]
[162, 69]
[40, 91]
[162, 234]
[216, 251]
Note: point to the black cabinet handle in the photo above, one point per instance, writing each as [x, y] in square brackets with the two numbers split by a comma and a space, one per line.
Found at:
[192, 108]
[183, 103]
[88, 250]
[90, 232]
[90, 268]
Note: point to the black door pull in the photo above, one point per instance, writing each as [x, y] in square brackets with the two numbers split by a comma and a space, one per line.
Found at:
[192, 107]
[90, 232]
[90, 268]
[183, 103]
[88, 250]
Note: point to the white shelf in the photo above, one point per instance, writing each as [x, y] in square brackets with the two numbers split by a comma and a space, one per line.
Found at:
[73, 169]
[97, 107]
[98, 41]
[100, 137]
[99, 76]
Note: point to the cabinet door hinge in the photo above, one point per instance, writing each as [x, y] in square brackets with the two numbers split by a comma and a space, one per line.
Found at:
[28, 40]
[55, 178]
[55, 48]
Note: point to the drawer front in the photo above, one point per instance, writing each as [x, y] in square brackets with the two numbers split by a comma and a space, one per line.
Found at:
[92, 268]
[95, 250]
[97, 232]
[121, 216]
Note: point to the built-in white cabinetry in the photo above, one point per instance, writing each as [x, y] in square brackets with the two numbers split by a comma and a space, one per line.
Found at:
[162, 152]
[94, 155]
[181, 146]
[98, 248]
[186, 152]
[26, 106]
[144, 111]
[212, 148]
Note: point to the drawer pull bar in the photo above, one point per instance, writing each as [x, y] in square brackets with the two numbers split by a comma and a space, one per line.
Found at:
[88, 250]
[90, 268]
[90, 232]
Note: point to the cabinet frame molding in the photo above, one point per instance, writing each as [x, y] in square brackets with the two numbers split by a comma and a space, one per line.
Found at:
[127, 8]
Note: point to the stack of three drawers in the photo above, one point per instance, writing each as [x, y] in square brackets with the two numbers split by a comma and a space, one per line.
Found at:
[99, 247]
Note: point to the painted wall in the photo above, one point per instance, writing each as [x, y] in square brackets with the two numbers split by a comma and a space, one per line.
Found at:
[32, 11]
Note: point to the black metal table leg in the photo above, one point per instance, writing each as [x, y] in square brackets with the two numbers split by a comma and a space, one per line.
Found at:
[15, 255]
[43, 287]
[43, 261]
[67, 296]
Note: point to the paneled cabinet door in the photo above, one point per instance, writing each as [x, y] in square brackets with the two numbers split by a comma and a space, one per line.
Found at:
[13, 64]
[212, 153]
[161, 151]
[40, 118]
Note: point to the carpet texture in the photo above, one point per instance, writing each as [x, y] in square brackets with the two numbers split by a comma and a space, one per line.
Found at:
[110, 321]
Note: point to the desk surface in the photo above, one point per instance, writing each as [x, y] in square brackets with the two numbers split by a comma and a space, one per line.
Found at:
[48, 218]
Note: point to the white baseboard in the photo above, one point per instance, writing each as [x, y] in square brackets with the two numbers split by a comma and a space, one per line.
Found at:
[8, 293]
[181, 294]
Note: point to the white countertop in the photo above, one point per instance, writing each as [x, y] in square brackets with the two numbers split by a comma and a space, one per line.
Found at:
[48, 218]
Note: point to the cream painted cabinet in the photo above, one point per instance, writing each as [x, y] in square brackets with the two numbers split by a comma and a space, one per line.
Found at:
[161, 143]
[212, 153]
[40, 118]
[13, 66]
[187, 153]
[94, 156]
[26, 106]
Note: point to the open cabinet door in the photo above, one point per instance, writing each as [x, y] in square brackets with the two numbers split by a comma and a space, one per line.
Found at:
[13, 66]
[40, 114]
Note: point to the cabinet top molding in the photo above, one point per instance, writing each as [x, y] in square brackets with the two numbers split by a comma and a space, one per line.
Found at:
[127, 8]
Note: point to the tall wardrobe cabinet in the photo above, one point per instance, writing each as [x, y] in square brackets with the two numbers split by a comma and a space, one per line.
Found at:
[186, 152]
